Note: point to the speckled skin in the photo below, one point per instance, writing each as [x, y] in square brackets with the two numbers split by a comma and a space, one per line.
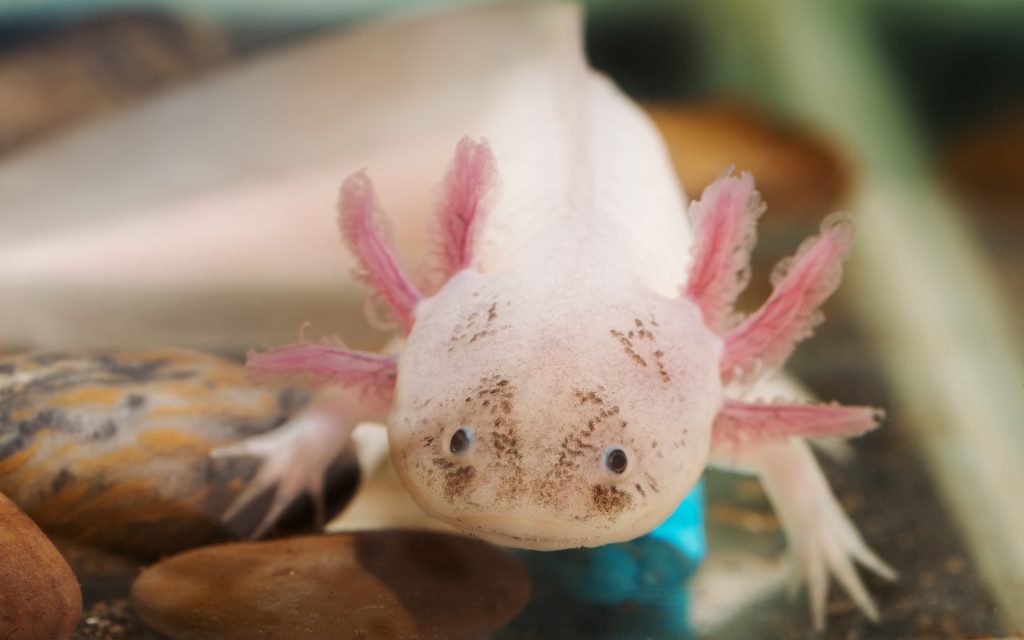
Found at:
[111, 448]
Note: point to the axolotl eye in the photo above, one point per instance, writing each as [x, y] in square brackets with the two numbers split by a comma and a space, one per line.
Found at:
[616, 461]
[461, 440]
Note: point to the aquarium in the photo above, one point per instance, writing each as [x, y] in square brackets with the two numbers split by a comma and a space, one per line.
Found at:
[522, 320]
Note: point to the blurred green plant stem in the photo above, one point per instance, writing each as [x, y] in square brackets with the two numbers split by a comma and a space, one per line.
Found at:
[923, 285]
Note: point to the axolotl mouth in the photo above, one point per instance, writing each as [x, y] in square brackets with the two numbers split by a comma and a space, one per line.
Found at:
[498, 534]
[496, 529]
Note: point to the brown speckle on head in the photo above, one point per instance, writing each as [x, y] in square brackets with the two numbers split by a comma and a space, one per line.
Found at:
[495, 395]
[579, 445]
[642, 331]
[587, 397]
[457, 480]
[476, 326]
[480, 334]
[662, 371]
[609, 499]
[627, 346]
[508, 459]
[641, 348]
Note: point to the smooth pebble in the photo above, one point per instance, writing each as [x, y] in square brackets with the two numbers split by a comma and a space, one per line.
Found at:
[39, 594]
[404, 585]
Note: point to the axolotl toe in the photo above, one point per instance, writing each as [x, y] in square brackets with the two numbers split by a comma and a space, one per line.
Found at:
[572, 357]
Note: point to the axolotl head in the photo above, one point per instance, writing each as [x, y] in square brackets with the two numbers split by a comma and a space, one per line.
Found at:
[546, 414]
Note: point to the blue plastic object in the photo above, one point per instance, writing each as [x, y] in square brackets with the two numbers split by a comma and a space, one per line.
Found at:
[626, 590]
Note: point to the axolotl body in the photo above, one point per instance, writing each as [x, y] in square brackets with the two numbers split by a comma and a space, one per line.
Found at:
[572, 360]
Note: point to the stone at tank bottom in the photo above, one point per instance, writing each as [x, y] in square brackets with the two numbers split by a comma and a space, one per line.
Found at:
[381, 584]
[39, 595]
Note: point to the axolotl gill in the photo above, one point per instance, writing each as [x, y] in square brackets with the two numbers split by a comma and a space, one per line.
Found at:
[572, 359]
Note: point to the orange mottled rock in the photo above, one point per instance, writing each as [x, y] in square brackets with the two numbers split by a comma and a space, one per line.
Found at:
[111, 448]
[394, 585]
[39, 594]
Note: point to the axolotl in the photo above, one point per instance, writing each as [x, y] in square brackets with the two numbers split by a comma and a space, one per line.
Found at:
[572, 359]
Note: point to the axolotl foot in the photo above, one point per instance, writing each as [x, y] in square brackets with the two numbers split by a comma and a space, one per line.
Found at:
[296, 456]
[830, 546]
[295, 459]
[822, 539]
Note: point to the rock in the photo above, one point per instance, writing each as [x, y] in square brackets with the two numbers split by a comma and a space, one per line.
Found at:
[39, 595]
[796, 172]
[110, 620]
[100, 64]
[985, 166]
[384, 584]
[111, 448]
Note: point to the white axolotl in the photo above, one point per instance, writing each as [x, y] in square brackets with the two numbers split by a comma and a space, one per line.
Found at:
[572, 361]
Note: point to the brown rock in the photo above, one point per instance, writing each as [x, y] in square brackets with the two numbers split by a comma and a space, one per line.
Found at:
[795, 172]
[985, 165]
[39, 595]
[384, 584]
